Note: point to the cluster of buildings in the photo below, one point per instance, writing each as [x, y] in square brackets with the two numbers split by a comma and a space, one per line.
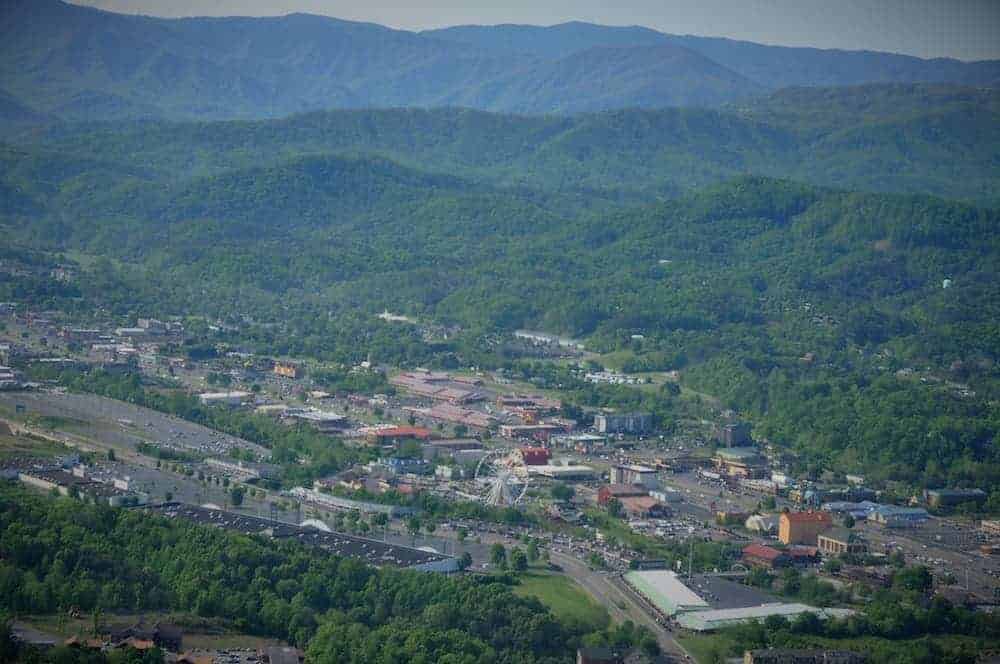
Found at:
[806, 536]
[74, 482]
[439, 386]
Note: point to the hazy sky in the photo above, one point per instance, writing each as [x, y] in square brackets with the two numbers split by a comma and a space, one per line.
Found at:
[966, 29]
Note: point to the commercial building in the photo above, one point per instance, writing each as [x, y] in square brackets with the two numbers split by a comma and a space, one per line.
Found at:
[231, 399]
[642, 507]
[667, 495]
[536, 431]
[619, 491]
[951, 497]
[535, 456]
[665, 591]
[583, 443]
[448, 449]
[402, 466]
[528, 402]
[564, 472]
[393, 434]
[759, 555]
[803, 527]
[435, 386]
[838, 541]
[707, 621]
[244, 471]
[336, 503]
[447, 412]
[324, 421]
[635, 474]
[630, 423]
[858, 511]
[891, 516]
[793, 656]
[372, 552]
[740, 462]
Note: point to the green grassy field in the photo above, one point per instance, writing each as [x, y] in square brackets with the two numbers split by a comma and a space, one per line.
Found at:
[566, 599]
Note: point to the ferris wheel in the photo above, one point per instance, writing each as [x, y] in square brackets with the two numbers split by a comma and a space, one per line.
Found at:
[502, 478]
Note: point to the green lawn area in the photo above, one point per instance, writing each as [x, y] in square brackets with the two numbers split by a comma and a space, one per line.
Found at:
[566, 599]
[706, 649]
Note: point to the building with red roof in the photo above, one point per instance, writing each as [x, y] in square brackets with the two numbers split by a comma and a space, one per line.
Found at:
[399, 433]
[760, 555]
[535, 456]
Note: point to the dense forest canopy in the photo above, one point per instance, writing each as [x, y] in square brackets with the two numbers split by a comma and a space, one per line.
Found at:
[57, 553]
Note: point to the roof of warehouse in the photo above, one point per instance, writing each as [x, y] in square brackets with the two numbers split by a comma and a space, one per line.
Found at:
[373, 552]
[705, 620]
[665, 590]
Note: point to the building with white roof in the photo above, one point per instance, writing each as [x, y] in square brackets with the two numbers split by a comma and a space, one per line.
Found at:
[664, 590]
[224, 398]
[706, 621]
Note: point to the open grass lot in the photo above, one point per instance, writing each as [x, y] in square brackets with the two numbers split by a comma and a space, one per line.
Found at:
[714, 648]
[566, 599]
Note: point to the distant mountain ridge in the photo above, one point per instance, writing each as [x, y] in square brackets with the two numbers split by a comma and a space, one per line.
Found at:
[67, 62]
[909, 138]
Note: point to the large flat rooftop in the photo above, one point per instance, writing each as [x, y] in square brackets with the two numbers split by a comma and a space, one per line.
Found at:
[666, 591]
[373, 552]
[702, 621]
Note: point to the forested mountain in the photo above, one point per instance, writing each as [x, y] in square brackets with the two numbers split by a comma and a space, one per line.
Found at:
[65, 62]
[771, 67]
[891, 138]
[734, 284]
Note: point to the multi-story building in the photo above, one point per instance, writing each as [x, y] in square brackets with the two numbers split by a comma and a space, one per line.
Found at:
[633, 423]
[838, 541]
[803, 527]
[634, 474]
[740, 462]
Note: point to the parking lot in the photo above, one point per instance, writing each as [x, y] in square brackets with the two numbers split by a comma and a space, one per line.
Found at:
[121, 424]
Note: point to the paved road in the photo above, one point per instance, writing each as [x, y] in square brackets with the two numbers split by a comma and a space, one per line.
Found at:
[619, 602]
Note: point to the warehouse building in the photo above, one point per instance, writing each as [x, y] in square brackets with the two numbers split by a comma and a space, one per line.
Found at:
[951, 497]
[372, 552]
[891, 516]
[231, 399]
[665, 591]
[708, 621]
